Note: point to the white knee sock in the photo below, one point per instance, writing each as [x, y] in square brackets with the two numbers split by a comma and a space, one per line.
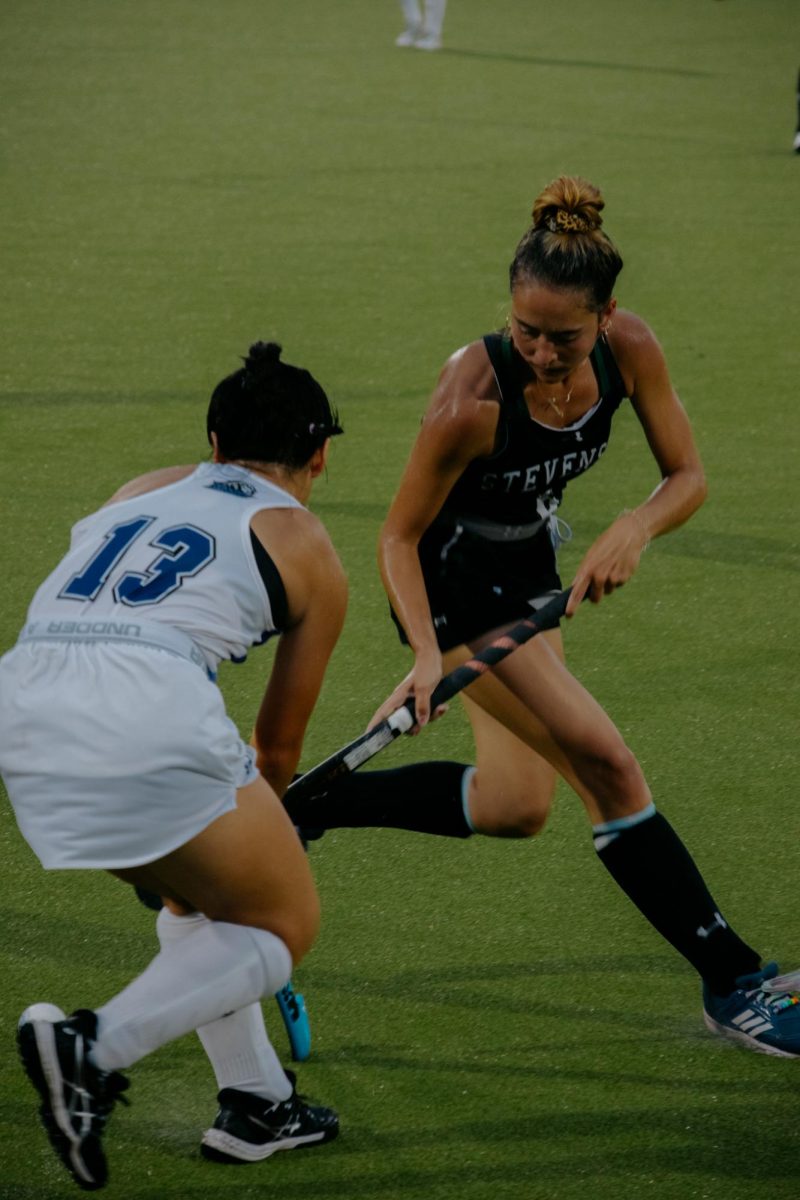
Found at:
[242, 1055]
[237, 1045]
[434, 16]
[412, 14]
[216, 968]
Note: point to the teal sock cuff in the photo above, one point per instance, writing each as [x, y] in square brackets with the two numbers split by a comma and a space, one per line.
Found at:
[465, 782]
[609, 831]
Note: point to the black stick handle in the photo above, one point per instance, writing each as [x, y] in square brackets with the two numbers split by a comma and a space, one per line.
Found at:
[546, 617]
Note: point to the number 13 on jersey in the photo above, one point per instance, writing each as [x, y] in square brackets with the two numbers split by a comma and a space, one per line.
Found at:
[185, 550]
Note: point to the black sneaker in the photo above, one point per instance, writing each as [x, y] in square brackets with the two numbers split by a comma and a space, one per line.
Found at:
[248, 1128]
[77, 1098]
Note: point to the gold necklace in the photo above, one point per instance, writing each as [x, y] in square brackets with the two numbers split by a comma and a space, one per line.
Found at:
[553, 402]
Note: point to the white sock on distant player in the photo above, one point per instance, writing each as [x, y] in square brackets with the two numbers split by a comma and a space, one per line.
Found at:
[434, 17]
[412, 14]
[237, 1045]
[216, 968]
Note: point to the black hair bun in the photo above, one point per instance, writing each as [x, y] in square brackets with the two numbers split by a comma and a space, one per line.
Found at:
[262, 358]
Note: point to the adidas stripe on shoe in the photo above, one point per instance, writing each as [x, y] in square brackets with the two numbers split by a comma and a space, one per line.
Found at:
[755, 1017]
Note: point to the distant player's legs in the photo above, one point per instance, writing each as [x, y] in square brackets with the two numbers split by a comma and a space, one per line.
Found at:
[413, 18]
[432, 29]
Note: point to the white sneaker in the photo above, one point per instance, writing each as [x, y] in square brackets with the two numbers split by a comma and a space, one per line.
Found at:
[797, 142]
[428, 41]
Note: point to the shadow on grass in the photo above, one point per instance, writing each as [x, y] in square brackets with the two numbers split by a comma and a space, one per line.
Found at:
[581, 64]
[427, 1063]
[77, 938]
[716, 1143]
[687, 1128]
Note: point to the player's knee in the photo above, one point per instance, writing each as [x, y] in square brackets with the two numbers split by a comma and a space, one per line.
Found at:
[296, 925]
[520, 816]
[297, 929]
[301, 937]
[623, 768]
[620, 784]
[523, 825]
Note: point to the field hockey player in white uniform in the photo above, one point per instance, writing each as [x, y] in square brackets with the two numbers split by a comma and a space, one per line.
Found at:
[118, 755]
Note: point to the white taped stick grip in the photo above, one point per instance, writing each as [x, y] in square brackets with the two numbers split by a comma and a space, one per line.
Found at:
[366, 750]
[400, 720]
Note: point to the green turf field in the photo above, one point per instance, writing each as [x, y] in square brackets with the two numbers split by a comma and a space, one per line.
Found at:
[181, 177]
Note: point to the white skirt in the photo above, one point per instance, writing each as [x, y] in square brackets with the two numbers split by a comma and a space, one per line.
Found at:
[114, 753]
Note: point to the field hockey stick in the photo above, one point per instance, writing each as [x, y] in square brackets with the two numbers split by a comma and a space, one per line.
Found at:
[363, 748]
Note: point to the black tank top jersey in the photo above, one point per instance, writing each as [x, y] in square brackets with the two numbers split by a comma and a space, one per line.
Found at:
[533, 462]
[474, 581]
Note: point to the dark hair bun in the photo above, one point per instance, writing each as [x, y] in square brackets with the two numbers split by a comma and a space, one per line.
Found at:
[262, 358]
[269, 411]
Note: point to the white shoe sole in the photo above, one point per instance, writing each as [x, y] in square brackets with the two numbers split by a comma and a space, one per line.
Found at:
[744, 1039]
[235, 1148]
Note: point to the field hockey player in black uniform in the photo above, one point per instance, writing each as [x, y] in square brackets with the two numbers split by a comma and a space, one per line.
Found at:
[469, 544]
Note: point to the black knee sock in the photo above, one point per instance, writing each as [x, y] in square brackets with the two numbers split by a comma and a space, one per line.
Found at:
[653, 867]
[425, 797]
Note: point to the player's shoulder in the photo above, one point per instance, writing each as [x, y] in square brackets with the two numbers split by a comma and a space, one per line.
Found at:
[635, 347]
[470, 370]
[465, 400]
[151, 482]
[302, 550]
[630, 333]
[296, 533]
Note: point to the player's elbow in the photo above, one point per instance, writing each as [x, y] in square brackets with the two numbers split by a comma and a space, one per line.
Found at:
[278, 764]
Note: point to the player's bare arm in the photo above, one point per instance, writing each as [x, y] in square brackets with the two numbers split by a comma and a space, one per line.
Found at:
[459, 425]
[614, 556]
[316, 591]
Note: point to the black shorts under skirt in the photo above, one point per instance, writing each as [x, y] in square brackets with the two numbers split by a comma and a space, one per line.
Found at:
[475, 585]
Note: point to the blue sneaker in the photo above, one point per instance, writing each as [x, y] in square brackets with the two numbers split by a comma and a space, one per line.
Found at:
[292, 1006]
[761, 1020]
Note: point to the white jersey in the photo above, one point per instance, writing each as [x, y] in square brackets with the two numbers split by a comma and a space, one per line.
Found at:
[181, 555]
